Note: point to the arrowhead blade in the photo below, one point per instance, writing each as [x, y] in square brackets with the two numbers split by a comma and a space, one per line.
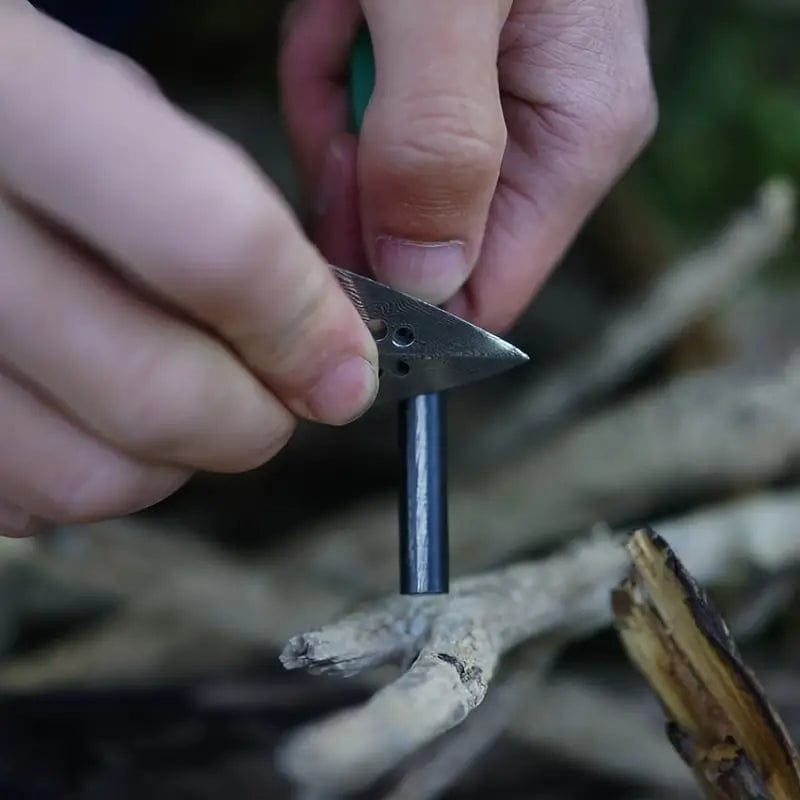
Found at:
[423, 348]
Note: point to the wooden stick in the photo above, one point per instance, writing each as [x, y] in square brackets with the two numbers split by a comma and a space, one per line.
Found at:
[434, 772]
[456, 642]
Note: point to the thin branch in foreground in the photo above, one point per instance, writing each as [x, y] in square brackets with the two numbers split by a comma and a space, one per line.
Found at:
[161, 583]
[459, 640]
[456, 641]
[456, 752]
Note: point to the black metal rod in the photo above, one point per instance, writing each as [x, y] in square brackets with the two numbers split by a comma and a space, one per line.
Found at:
[424, 567]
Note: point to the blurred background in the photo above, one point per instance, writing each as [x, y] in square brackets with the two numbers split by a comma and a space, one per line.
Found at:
[103, 657]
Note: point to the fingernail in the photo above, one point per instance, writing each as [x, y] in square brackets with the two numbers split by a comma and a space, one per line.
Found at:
[345, 392]
[13, 520]
[331, 176]
[432, 271]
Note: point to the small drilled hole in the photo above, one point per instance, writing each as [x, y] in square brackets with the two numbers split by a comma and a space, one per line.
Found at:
[401, 368]
[403, 336]
[378, 328]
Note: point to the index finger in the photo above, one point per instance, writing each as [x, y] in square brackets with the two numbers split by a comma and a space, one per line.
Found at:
[180, 210]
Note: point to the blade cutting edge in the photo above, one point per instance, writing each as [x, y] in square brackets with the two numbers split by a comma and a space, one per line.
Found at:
[421, 347]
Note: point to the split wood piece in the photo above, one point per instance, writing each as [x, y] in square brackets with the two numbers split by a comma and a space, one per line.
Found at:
[454, 643]
[721, 722]
[690, 290]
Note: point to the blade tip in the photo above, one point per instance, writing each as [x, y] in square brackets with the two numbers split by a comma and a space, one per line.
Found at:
[516, 355]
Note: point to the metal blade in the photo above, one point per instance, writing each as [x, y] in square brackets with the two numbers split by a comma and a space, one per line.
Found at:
[422, 348]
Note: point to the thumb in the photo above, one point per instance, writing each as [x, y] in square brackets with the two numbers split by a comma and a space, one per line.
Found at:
[432, 140]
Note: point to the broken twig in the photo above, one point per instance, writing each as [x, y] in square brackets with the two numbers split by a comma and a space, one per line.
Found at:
[456, 752]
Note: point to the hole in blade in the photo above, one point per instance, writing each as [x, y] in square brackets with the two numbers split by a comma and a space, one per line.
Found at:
[403, 336]
[401, 368]
[378, 328]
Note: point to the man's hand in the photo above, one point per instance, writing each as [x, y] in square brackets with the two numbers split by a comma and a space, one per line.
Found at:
[160, 310]
[494, 129]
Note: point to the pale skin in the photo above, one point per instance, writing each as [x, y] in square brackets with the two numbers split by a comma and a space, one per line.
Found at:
[163, 312]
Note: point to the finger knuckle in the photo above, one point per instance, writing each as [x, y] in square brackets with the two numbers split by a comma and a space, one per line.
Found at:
[160, 401]
[452, 139]
[76, 492]
[236, 227]
[253, 442]
[176, 405]
[617, 124]
[645, 114]
[128, 69]
[237, 213]
[170, 396]
[634, 122]
[260, 446]
[300, 325]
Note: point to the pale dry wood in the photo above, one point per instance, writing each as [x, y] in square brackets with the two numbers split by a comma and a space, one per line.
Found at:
[436, 771]
[466, 630]
[456, 641]
[188, 594]
[686, 292]
[181, 590]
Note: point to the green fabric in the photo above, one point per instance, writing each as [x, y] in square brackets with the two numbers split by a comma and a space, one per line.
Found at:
[362, 78]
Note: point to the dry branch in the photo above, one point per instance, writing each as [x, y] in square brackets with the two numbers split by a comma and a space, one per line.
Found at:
[197, 607]
[457, 752]
[456, 641]
[691, 289]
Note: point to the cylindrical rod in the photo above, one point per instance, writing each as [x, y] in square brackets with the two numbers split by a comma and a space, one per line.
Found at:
[423, 497]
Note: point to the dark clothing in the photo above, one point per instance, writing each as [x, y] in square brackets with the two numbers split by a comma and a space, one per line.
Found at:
[101, 20]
